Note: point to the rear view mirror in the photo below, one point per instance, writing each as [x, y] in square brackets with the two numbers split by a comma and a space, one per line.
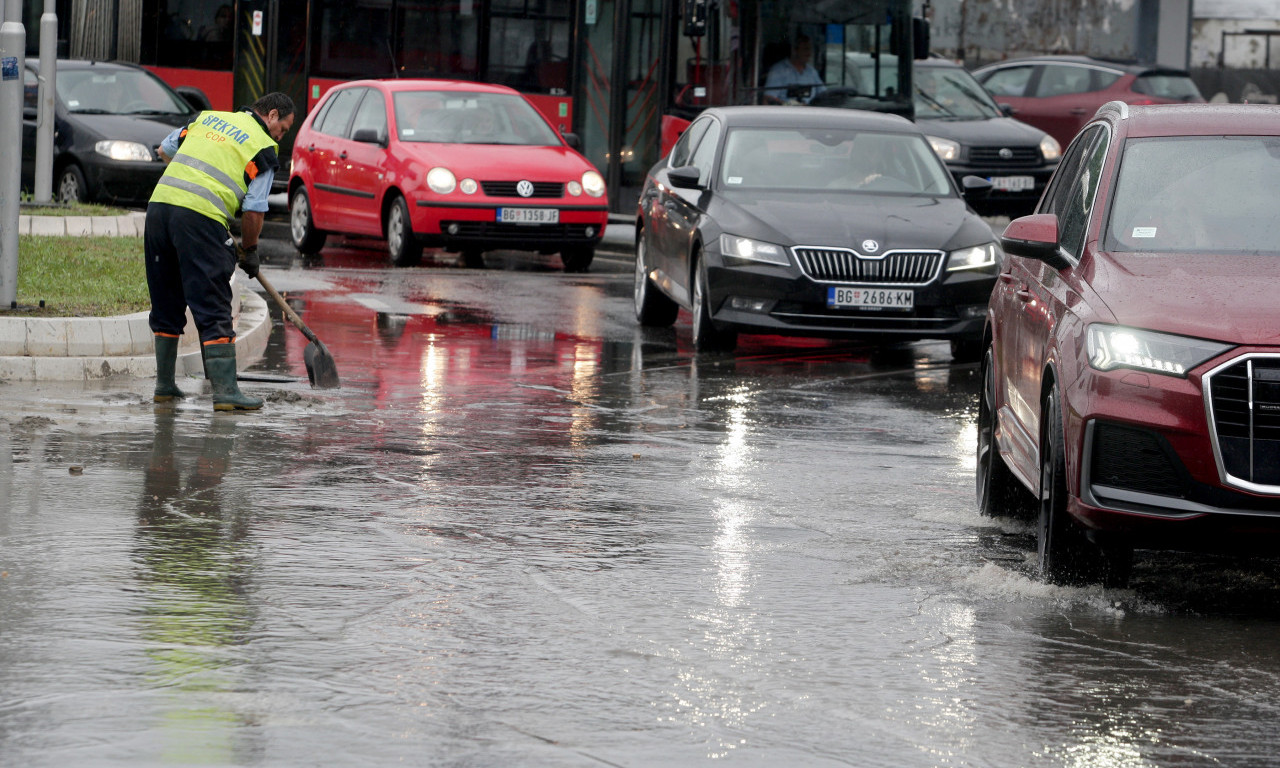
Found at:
[920, 38]
[684, 178]
[1035, 237]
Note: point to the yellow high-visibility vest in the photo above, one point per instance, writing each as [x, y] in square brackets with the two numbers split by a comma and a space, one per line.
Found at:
[208, 173]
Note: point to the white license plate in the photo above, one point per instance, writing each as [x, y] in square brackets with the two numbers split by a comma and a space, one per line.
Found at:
[870, 298]
[529, 215]
[1012, 183]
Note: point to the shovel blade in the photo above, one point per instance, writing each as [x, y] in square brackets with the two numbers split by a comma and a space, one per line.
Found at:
[321, 369]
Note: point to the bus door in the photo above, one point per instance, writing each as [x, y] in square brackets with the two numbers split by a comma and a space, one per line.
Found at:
[271, 46]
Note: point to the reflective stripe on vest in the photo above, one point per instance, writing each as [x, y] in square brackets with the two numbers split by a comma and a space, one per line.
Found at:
[207, 174]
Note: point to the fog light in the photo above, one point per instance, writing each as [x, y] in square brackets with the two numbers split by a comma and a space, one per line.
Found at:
[590, 231]
[452, 229]
[971, 311]
[748, 304]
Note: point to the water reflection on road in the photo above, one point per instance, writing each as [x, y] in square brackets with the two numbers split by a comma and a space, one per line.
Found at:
[525, 533]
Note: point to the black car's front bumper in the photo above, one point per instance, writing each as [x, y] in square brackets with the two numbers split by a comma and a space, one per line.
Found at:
[779, 300]
[119, 181]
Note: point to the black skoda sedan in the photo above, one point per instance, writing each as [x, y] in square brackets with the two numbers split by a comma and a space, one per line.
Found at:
[812, 222]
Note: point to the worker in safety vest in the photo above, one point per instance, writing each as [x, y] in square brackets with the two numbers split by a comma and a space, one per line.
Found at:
[220, 165]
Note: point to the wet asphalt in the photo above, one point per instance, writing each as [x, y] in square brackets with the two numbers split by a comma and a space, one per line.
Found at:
[527, 532]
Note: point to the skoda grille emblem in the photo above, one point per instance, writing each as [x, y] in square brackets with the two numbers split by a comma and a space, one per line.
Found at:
[1006, 153]
[525, 188]
[870, 246]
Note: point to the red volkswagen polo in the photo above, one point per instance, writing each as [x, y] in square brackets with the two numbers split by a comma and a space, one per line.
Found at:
[467, 167]
[1131, 380]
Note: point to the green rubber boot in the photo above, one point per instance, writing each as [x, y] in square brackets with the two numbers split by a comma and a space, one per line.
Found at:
[166, 362]
[220, 368]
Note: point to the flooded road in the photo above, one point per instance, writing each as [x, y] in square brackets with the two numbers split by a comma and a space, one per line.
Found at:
[526, 533]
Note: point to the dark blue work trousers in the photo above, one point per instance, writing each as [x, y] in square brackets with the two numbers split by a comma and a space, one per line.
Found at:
[190, 259]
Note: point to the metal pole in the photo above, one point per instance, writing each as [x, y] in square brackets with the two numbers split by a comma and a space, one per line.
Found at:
[13, 48]
[44, 108]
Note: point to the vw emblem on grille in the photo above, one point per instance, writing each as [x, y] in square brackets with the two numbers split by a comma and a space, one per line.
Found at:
[1005, 153]
[870, 246]
[524, 188]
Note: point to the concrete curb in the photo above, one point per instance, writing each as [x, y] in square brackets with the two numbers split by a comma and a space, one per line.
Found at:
[95, 348]
[128, 225]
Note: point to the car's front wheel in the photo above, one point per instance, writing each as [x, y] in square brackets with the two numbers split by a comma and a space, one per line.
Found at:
[577, 258]
[302, 228]
[403, 248]
[706, 336]
[999, 492]
[72, 186]
[653, 309]
[1067, 556]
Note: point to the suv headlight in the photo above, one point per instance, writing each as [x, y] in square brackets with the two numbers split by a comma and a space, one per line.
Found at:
[1114, 346]
[1050, 148]
[946, 149]
[441, 180]
[129, 151]
[734, 247]
[978, 257]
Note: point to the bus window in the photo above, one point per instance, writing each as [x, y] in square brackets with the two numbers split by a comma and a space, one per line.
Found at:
[438, 39]
[352, 40]
[529, 45]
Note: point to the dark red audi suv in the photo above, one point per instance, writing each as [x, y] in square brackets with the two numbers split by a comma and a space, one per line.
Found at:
[1131, 374]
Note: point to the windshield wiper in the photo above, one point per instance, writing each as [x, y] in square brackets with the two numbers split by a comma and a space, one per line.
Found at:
[934, 102]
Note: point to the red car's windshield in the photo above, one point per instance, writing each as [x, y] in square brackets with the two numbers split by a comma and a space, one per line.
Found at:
[1197, 194]
[453, 117]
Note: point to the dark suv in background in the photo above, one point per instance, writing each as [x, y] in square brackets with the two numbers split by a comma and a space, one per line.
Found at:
[1059, 94]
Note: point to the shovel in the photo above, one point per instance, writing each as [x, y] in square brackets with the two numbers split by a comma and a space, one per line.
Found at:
[321, 369]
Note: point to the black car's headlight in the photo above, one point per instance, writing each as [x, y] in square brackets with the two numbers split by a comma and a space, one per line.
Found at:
[1114, 346]
[986, 257]
[946, 149]
[128, 151]
[1050, 148]
[734, 247]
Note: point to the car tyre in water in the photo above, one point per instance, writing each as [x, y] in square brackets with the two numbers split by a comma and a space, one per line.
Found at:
[653, 309]
[577, 258]
[999, 492]
[403, 248]
[302, 228]
[1067, 556]
[706, 336]
[72, 187]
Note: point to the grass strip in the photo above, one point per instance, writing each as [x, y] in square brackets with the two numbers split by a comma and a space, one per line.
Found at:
[80, 277]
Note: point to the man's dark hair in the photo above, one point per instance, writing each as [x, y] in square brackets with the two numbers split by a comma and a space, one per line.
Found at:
[281, 103]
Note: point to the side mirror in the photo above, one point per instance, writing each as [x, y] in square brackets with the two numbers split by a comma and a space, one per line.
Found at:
[195, 97]
[369, 136]
[684, 178]
[1007, 110]
[975, 187]
[572, 139]
[1035, 237]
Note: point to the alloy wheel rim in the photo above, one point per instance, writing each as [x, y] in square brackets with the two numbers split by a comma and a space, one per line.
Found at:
[641, 276]
[394, 235]
[300, 214]
[698, 298]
